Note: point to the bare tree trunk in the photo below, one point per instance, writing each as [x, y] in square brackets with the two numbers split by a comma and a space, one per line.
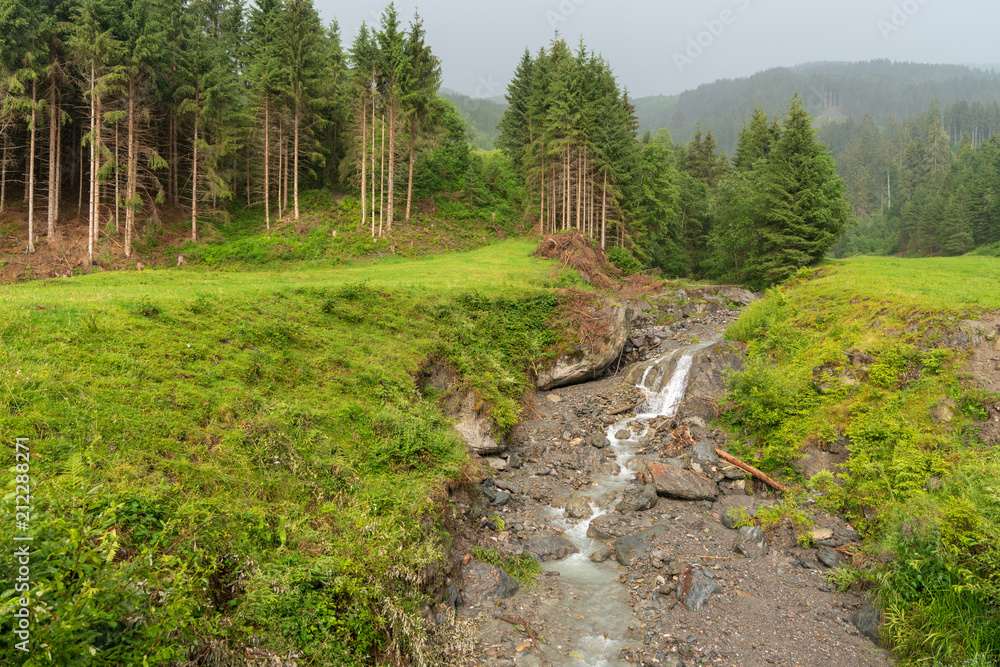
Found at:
[604, 209]
[284, 193]
[3, 168]
[281, 164]
[118, 200]
[392, 166]
[58, 199]
[381, 178]
[373, 172]
[79, 201]
[53, 164]
[133, 172]
[579, 193]
[295, 160]
[267, 162]
[409, 180]
[174, 159]
[541, 204]
[364, 166]
[194, 178]
[92, 213]
[31, 169]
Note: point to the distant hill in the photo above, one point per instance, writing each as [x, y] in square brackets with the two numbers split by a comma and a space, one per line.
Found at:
[482, 114]
[832, 90]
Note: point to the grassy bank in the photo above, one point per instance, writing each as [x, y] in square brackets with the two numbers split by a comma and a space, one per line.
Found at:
[230, 459]
[919, 483]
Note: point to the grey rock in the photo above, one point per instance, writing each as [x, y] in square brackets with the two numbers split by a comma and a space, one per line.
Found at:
[629, 547]
[704, 452]
[501, 498]
[677, 463]
[830, 557]
[729, 519]
[474, 426]
[482, 582]
[623, 434]
[683, 484]
[598, 440]
[729, 471]
[849, 534]
[752, 542]
[695, 588]
[943, 412]
[550, 547]
[638, 498]
[602, 554]
[582, 363]
[868, 621]
[578, 507]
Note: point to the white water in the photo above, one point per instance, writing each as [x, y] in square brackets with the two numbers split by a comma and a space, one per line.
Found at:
[600, 604]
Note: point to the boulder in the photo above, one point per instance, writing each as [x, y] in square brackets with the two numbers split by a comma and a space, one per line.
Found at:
[704, 452]
[709, 372]
[598, 440]
[638, 498]
[482, 582]
[475, 427]
[830, 557]
[602, 554]
[550, 547]
[578, 507]
[752, 542]
[678, 483]
[586, 363]
[829, 378]
[868, 621]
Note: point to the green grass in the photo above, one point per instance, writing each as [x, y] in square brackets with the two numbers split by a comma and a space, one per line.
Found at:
[522, 568]
[256, 444]
[941, 586]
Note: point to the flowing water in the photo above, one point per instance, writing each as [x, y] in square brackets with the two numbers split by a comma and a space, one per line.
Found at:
[600, 606]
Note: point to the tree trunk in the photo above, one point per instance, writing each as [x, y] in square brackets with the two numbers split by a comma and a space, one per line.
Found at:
[79, 201]
[373, 172]
[381, 178]
[118, 199]
[194, 178]
[281, 164]
[579, 192]
[267, 162]
[409, 180]
[392, 166]
[174, 186]
[3, 168]
[133, 172]
[604, 210]
[541, 204]
[364, 166]
[284, 192]
[58, 199]
[53, 164]
[92, 213]
[295, 160]
[31, 169]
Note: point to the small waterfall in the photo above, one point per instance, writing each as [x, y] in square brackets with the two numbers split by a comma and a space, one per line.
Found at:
[607, 620]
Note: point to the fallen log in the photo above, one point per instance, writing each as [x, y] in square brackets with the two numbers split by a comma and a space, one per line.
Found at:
[628, 408]
[725, 456]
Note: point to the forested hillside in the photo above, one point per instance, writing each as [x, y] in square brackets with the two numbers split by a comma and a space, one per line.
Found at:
[122, 111]
[879, 88]
[482, 114]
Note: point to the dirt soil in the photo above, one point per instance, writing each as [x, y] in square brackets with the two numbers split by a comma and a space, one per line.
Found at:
[984, 369]
[772, 609]
[66, 254]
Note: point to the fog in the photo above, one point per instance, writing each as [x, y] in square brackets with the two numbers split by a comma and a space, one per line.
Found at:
[667, 47]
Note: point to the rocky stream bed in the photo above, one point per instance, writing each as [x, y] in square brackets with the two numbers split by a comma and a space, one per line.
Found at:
[615, 485]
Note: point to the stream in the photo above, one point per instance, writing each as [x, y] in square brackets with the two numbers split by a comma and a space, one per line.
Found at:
[599, 602]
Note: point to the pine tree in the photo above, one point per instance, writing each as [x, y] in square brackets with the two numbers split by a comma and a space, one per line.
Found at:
[419, 92]
[393, 69]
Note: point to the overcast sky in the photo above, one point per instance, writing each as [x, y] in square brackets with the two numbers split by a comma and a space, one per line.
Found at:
[668, 46]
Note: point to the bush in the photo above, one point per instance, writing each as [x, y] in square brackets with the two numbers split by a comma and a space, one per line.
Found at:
[624, 260]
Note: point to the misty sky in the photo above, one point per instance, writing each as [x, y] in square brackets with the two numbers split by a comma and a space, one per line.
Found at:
[670, 46]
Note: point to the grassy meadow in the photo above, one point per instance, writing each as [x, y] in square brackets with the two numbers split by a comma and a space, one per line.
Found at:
[232, 458]
[924, 489]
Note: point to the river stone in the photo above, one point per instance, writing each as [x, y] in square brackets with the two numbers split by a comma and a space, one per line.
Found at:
[602, 554]
[695, 588]
[849, 534]
[629, 547]
[501, 498]
[638, 498]
[683, 484]
[482, 582]
[598, 440]
[584, 363]
[729, 471]
[498, 464]
[752, 542]
[578, 507]
[830, 557]
[704, 452]
[821, 534]
[623, 434]
[677, 463]
[550, 547]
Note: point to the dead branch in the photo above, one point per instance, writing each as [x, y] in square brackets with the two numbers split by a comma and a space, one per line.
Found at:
[528, 631]
[725, 456]
[628, 408]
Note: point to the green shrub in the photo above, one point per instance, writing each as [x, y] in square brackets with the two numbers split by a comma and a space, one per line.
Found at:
[624, 260]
